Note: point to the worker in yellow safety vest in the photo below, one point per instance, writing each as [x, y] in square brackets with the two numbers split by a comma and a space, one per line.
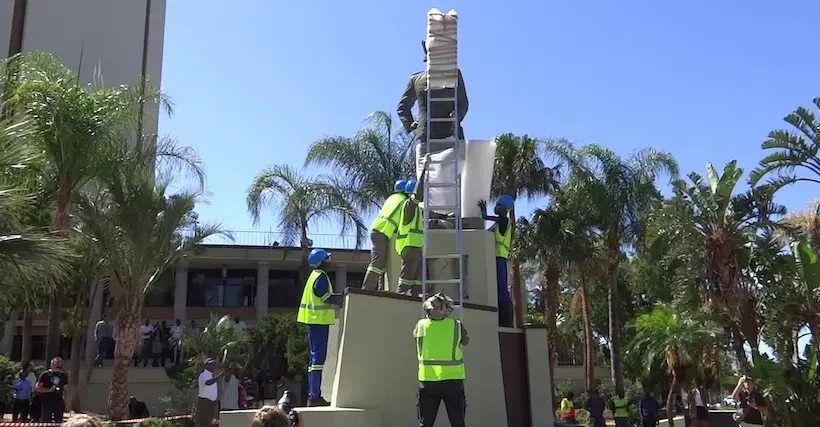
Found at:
[410, 241]
[317, 311]
[620, 410]
[439, 341]
[567, 410]
[502, 229]
[383, 229]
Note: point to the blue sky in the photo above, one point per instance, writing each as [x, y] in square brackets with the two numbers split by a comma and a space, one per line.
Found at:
[703, 80]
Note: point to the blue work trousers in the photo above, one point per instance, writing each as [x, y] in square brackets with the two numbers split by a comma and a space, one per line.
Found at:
[505, 311]
[317, 339]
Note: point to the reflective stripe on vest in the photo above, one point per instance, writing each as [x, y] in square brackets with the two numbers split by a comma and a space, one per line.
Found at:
[314, 310]
[389, 215]
[410, 234]
[567, 408]
[502, 241]
[438, 347]
[621, 408]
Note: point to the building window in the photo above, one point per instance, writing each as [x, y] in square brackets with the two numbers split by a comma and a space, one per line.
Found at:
[207, 288]
[38, 347]
[161, 293]
[284, 288]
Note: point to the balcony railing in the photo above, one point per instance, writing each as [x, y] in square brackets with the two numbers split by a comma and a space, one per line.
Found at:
[274, 239]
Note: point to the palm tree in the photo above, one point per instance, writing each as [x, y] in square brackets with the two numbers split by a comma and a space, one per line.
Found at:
[520, 171]
[368, 163]
[75, 127]
[300, 201]
[138, 227]
[678, 341]
[792, 150]
[219, 339]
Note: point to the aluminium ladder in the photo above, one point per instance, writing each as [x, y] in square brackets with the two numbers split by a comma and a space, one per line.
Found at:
[445, 51]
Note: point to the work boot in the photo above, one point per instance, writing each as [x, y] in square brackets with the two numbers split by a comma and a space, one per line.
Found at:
[319, 401]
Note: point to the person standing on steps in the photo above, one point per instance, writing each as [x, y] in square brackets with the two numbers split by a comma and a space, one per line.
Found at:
[102, 339]
[383, 229]
[439, 348]
[317, 311]
[410, 241]
[503, 237]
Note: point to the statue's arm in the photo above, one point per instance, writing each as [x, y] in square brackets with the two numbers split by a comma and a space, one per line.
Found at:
[463, 102]
[405, 107]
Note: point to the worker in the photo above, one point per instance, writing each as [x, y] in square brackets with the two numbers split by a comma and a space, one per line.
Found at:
[410, 241]
[416, 90]
[567, 410]
[502, 228]
[383, 229]
[317, 311]
[620, 410]
[439, 341]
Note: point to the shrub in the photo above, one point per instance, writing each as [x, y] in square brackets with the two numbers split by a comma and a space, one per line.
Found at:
[279, 338]
[9, 369]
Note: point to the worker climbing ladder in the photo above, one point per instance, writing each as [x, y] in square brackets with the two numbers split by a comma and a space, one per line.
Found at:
[442, 79]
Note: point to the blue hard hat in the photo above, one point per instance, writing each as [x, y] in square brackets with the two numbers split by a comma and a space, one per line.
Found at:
[410, 187]
[507, 201]
[318, 256]
[398, 187]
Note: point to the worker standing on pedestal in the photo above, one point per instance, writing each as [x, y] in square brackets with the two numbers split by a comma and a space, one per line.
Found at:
[439, 341]
[383, 229]
[317, 311]
[410, 240]
[503, 238]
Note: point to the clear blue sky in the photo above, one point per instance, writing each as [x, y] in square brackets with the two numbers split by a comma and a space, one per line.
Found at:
[704, 80]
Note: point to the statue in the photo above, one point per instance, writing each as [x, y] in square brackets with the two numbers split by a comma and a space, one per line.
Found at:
[417, 91]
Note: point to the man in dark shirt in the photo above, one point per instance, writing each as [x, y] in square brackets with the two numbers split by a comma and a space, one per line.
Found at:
[746, 392]
[596, 406]
[50, 387]
[650, 410]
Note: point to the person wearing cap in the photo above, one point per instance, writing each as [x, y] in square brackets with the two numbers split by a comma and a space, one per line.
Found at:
[410, 241]
[416, 90]
[317, 311]
[207, 407]
[383, 229]
[441, 374]
[502, 229]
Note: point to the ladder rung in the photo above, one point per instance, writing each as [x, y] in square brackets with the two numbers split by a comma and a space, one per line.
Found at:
[448, 256]
[442, 185]
[442, 141]
[444, 281]
[445, 207]
[442, 161]
[441, 119]
[453, 99]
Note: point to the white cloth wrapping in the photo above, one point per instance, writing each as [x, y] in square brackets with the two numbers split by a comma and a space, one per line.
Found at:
[442, 49]
[441, 173]
[476, 176]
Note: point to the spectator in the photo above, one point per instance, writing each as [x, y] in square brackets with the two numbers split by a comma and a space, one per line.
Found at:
[758, 403]
[238, 325]
[165, 340]
[157, 346]
[650, 410]
[596, 406]
[50, 387]
[21, 406]
[82, 420]
[744, 392]
[699, 404]
[146, 332]
[137, 409]
[568, 409]
[102, 338]
[229, 393]
[176, 340]
[271, 416]
[206, 409]
[194, 328]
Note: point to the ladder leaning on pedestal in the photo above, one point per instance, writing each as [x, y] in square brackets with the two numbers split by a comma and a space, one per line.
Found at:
[442, 73]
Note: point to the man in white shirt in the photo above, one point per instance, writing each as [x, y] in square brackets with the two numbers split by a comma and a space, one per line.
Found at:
[176, 339]
[206, 410]
[146, 333]
[238, 325]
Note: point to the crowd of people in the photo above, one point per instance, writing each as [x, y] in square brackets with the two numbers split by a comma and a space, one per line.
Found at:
[39, 398]
[158, 343]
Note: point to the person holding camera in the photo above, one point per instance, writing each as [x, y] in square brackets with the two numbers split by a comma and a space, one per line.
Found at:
[439, 341]
[50, 388]
[281, 415]
[746, 392]
[207, 401]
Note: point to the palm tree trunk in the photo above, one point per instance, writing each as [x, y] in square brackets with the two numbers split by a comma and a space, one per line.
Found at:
[589, 349]
[28, 331]
[614, 323]
[519, 307]
[670, 401]
[60, 224]
[127, 322]
[551, 276]
[74, 390]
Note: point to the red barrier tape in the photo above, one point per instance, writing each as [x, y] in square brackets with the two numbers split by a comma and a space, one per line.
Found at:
[131, 421]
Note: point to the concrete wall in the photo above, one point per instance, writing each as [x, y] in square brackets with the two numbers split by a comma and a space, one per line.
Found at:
[147, 384]
[540, 383]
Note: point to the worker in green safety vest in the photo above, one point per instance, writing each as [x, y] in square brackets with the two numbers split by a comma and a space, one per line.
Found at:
[383, 229]
[410, 241]
[620, 410]
[502, 229]
[439, 341]
[317, 310]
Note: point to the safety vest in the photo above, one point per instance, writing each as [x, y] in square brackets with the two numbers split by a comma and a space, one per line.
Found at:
[438, 347]
[567, 408]
[389, 215]
[502, 241]
[410, 234]
[621, 408]
[314, 310]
